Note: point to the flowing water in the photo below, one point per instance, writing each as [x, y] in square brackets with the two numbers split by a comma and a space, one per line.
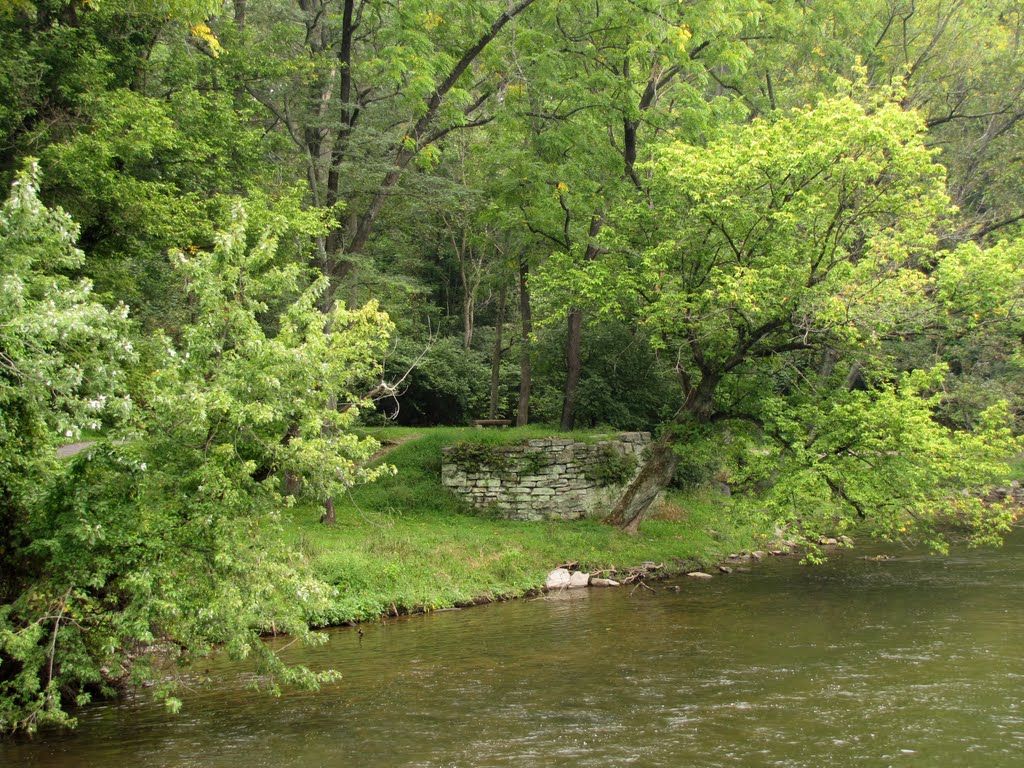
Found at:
[914, 661]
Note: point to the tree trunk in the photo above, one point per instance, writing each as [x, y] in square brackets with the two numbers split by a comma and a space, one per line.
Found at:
[574, 341]
[523, 413]
[468, 308]
[496, 355]
[292, 481]
[574, 366]
[292, 484]
[657, 473]
[336, 266]
[328, 517]
[653, 479]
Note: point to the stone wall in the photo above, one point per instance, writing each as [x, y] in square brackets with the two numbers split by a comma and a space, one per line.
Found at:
[545, 478]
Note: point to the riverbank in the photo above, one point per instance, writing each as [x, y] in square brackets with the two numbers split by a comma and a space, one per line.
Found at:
[406, 545]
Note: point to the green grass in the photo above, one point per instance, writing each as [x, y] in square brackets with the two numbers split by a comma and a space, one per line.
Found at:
[406, 544]
[1015, 469]
[83, 435]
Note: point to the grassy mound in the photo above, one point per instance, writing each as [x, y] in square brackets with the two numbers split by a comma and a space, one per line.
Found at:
[406, 544]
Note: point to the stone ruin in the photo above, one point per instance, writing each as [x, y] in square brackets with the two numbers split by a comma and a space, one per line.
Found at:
[545, 478]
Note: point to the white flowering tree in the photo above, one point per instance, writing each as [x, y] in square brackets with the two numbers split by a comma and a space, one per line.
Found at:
[62, 358]
[61, 351]
[169, 544]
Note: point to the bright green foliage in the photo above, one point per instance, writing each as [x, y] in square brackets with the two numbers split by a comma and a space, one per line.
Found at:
[150, 175]
[61, 357]
[881, 453]
[979, 293]
[783, 236]
[773, 269]
[58, 343]
[171, 544]
[794, 231]
[262, 402]
[61, 352]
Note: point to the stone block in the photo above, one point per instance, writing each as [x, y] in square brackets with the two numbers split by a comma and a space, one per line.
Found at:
[558, 579]
[560, 488]
[579, 579]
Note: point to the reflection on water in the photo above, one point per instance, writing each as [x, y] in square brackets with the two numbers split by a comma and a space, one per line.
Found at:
[912, 661]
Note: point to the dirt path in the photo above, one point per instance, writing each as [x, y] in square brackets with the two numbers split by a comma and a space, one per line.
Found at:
[387, 446]
[73, 449]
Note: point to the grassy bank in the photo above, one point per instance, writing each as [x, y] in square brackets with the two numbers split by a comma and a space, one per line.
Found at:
[405, 544]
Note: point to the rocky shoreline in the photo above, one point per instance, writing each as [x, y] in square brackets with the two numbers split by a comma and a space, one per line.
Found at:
[567, 576]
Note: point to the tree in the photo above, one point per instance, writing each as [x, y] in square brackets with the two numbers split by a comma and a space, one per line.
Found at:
[960, 65]
[171, 544]
[627, 72]
[979, 290]
[786, 251]
[62, 353]
[369, 92]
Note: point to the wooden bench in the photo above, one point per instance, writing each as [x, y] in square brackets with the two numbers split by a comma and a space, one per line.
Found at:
[481, 423]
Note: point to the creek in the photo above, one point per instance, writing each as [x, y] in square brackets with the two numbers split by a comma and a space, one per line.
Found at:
[916, 660]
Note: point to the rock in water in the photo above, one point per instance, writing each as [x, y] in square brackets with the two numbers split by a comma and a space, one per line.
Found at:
[558, 579]
[700, 575]
[604, 583]
[578, 579]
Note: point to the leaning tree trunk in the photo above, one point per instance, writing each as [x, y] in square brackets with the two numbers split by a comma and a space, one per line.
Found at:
[656, 474]
[653, 479]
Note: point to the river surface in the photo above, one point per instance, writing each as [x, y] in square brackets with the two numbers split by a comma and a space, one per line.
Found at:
[915, 661]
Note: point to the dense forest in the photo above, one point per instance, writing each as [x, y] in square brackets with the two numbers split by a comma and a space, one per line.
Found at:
[785, 236]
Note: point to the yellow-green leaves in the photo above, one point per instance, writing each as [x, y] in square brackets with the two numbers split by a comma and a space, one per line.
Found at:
[204, 33]
[814, 220]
